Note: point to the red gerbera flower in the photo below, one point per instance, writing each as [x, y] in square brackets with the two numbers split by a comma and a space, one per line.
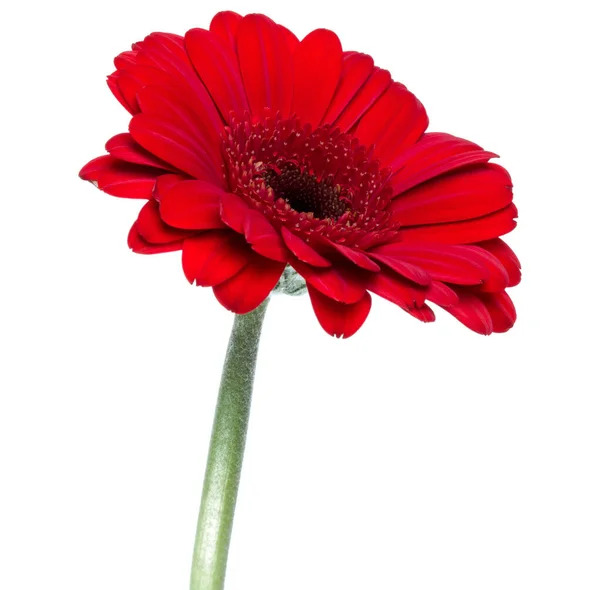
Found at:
[255, 151]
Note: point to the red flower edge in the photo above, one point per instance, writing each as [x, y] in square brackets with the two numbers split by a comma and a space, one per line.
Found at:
[255, 151]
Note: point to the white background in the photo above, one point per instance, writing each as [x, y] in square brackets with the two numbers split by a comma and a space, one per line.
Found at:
[412, 457]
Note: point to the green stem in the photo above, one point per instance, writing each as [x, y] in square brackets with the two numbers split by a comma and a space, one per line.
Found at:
[226, 453]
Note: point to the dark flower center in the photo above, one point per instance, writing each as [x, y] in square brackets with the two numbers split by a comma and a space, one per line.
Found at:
[305, 193]
[318, 183]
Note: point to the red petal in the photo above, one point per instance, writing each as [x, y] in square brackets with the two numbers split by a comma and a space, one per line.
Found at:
[123, 147]
[356, 69]
[166, 52]
[213, 257]
[192, 204]
[471, 312]
[507, 258]
[451, 264]
[441, 294]
[250, 287]
[302, 250]
[234, 211]
[317, 68]
[423, 313]
[145, 75]
[266, 64]
[432, 148]
[374, 87]
[125, 59]
[463, 194]
[225, 24]
[175, 145]
[217, 64]
[409, 271]
[498, 278]
[240, 217]
[131, 77]
[396, 289]
[461, 265]
[433, 155]
[129, 86]
[464, 232]
[263, 238]
[165, 183]
[339, 319]
[355, 256]
[501, 310]
[176, 106]
[290, 39]
[140, 246]
[92, 170]
[121, 179]
[396, 121]
[153, 229]
[113, 84]
[343, 284]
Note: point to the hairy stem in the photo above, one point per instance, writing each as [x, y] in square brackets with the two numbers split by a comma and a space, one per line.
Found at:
[226, 453]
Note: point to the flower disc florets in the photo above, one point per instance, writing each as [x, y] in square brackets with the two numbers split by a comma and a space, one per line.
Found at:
[319, 183]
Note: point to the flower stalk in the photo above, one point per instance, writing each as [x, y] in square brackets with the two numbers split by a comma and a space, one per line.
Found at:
[226, 452]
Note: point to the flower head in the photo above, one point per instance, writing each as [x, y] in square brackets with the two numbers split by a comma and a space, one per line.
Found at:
[258, 153]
